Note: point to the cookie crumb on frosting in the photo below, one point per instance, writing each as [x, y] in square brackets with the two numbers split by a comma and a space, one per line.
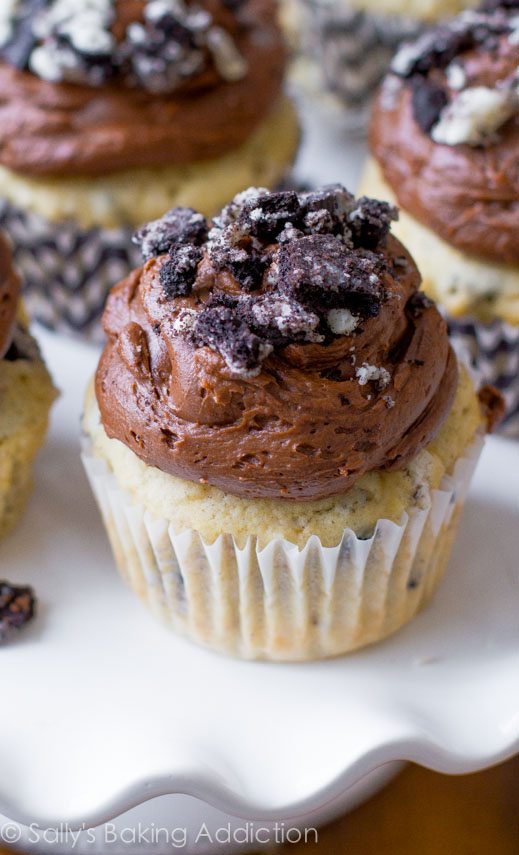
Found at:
[373, 374]
[308, 267]
[69, 41]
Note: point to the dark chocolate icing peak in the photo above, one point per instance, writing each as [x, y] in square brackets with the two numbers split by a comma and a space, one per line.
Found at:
[281, 351]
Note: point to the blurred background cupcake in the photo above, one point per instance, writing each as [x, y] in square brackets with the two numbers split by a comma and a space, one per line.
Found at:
[279, 439]
[345, 46]
[26, 395]
[112, 112]
[445, 144]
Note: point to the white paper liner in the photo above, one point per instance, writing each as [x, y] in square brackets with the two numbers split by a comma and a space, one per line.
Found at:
[282, 603]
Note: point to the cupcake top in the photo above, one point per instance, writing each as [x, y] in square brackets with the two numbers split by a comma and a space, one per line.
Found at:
[282, 350]
[101, 85]
[9, 294]
[445, 130]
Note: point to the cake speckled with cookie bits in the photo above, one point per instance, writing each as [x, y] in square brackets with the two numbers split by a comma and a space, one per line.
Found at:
[445, 144]
[26, 395]
[115, 110]
[279, 436]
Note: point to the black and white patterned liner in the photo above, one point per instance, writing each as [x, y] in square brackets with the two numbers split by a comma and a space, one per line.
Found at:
[353, 49]
[68, 271]
[492, 351]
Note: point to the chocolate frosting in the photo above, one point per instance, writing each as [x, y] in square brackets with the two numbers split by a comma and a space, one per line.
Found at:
[66, 129]
[317, 409]
[9, 294]
[466, 194]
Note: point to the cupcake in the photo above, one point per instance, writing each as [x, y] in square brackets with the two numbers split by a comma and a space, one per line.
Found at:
[113, 111]
[26, 395]
[445, 144]
[279, 437]
[347, 45]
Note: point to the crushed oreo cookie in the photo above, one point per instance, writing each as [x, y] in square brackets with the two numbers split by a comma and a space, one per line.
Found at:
[370, 222]
[429, 99]
[219, 327]
[320, 270]
[246, 329]
[177, 227]
[452, 112]
[17, 608]
[178, 274]
[309, 266]
[63, 41]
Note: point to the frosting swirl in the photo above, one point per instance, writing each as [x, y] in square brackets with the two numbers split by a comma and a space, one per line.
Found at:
[445, 130]
[10, 284]
[282, 354]
[68, 129]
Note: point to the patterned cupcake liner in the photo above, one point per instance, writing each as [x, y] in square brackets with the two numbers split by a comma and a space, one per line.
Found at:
[351, 51]
[492, 352]
[67, 271]
[282, 603]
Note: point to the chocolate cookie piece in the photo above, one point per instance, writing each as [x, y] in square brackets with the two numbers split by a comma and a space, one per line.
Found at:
[370, 222]
[17, 608]
[220, 328]
[319, 271]
[178, 274]
[178, 226]
[429, 99]
[309, 267]
[445, 105]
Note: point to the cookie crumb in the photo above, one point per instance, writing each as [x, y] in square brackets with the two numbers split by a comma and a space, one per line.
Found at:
[17, 608]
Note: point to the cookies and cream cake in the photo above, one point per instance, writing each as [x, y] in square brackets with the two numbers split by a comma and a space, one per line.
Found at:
[277, 411]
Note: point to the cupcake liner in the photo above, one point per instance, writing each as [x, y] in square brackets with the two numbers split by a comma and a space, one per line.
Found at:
[280, 602]
[492, 352]
[67, 271]
[349, 52]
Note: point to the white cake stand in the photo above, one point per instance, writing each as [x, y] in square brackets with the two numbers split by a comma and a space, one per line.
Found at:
[104, 712]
